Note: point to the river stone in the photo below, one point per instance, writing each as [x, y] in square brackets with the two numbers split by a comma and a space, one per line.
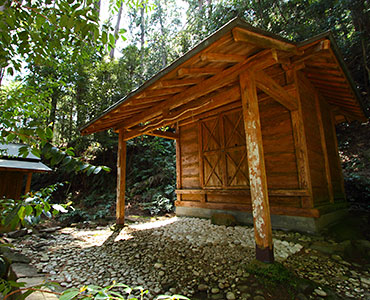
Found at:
[230, 296]
[258, 297]
[320, 292]
[202, 287]
[24, 270]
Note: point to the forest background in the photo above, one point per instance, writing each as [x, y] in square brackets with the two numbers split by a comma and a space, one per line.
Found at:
[59, 69]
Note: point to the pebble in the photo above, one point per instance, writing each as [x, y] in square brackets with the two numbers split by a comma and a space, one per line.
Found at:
[184, 256]
[320, 292]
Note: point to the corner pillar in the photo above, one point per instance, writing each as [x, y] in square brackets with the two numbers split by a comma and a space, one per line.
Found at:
[256, 166]
[28, 183]
[121, 179]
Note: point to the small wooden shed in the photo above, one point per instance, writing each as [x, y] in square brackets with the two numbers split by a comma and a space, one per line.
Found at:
[16, 171]
[254, 119]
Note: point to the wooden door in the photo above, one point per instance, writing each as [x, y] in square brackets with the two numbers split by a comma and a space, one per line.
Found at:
[223, 152]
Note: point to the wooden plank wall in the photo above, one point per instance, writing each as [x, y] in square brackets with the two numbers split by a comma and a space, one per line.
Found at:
[279, 151]
[313, 137]
[189, 160]
[11, 184]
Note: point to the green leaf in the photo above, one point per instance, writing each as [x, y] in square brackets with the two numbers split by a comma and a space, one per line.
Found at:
[21, 213]
[69, 294]
[28, 210]
[10, 137]
[97, 170]
[49, 133]
[90, 170]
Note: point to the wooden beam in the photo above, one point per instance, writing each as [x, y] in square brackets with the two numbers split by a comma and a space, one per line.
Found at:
[312, 51]
[121, 179]
[243, 192]
[258, 61]
[198, 71]
[323, 139]
[190, 109]
[161, 92]
[256, 166]
[164, 134]
[272, 88]
[28, 183]
[179, 82]
[219, 57]
[243, 35]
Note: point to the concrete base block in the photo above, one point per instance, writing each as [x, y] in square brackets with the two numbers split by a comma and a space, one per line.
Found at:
[302, 224]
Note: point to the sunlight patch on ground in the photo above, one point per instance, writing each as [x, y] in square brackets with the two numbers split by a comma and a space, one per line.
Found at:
[153, 224]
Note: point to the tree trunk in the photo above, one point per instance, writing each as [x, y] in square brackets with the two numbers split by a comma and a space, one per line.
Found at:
[54, 102]
[116, 29]
[163, 43]
[361, 22]
[142, 27]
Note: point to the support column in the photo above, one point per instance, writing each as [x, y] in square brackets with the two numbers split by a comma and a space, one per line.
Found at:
[121, 179]
[256, 165]
[28, 183]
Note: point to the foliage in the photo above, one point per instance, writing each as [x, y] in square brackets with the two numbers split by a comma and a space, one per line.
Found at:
[160, 204]
[274, 273]
[151, 173]
[85, 292]
[96, 292]
[28, 210]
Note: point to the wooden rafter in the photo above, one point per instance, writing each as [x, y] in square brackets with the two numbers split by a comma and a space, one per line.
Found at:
[312, 51]
[198, 71]
[219, 57]
[190, 110]
[243, 35]
[164, 134]
[179, 82]
[259, 61]
[272, 88]
[161, 92]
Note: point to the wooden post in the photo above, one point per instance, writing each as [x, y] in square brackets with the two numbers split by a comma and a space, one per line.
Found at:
[121, 179]
[300, 145]
[324, 148]
[28, 183]
[178, 164]
[256, 165]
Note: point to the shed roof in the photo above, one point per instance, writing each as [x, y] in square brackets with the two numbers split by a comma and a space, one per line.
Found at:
[10, 160]
[213, 67]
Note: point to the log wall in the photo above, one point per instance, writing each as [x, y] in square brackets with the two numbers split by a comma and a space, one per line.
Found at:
[213, 158]
[11, 184]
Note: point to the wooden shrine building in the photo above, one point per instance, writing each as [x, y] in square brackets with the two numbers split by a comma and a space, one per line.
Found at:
[16, 171]
[253, 116]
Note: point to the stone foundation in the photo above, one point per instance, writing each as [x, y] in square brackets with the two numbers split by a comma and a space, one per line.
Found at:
[302, 224]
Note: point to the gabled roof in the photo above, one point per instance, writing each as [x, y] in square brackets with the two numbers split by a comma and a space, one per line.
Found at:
[170, 94]
[10, 160]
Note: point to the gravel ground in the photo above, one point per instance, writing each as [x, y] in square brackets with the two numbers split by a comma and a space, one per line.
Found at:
[189, 256]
